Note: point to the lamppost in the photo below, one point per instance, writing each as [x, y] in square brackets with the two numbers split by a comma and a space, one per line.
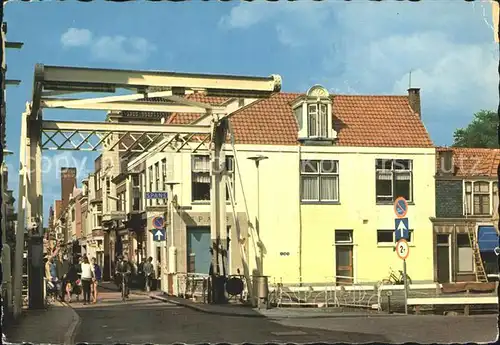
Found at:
[257, 159]
[172, 250]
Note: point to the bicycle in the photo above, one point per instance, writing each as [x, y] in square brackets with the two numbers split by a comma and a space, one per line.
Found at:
[395, 280]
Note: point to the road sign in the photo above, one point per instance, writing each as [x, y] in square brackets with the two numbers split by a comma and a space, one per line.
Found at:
[156, 195]
[400, 207]
[401, 229]
[158, 223]
[159, 235]
[402, 249]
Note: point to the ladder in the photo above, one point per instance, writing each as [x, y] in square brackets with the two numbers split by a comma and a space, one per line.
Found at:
[478, 261]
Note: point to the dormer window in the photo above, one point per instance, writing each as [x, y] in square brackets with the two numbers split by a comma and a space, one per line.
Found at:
[318, 120]
[313, 113]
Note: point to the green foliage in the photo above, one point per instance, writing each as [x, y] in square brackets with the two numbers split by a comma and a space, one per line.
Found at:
[480, 133]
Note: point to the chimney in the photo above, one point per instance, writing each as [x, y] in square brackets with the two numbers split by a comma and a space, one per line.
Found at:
[68, 182]
[445, 165]
[414, 100]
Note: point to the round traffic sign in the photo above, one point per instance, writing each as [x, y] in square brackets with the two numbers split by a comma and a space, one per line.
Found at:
[402, 249]
[158, 223]
[400, 207]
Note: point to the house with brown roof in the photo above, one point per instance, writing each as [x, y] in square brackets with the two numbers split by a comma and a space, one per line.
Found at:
[322, 196]
[465, 233]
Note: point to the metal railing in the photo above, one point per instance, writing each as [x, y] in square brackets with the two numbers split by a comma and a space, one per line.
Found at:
[195, 286]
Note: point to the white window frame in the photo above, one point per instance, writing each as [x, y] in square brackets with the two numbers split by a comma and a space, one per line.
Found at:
[469, 206]
[411, 240]
[229, 168]
[164, 178]
[150, 182]
[321, 121]
[157, 180]
[383, 199]
[347, 231]
[319, 174]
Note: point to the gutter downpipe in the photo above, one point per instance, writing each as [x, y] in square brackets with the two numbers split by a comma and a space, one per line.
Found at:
[299, 151]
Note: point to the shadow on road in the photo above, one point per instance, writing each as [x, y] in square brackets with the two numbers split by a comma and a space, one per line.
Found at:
[142, 320]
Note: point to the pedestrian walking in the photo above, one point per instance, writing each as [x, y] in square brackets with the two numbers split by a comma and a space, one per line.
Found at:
[62, 272]
[97, 279]
[87, 276]
[148, 270]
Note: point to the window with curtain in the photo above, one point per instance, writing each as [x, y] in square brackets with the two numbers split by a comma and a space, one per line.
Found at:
[157, 180]
[151, 181]
[319, 180]
[164, 178]
[393, 179]
[317, 120]
[200, 177]
[477, 198]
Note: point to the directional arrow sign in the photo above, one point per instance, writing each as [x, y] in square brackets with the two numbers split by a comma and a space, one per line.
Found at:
[158, 235]
[401, 228]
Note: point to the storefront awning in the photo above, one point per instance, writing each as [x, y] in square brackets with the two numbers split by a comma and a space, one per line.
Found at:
[487, 238]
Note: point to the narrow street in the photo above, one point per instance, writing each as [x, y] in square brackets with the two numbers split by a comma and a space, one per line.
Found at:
[143, 320]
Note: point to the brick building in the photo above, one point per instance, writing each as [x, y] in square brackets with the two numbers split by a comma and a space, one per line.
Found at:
[466, 209]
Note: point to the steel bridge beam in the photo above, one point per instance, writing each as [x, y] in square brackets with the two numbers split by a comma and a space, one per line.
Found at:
[107, 80]
[125, 106]
[122, 127]
[137, 138]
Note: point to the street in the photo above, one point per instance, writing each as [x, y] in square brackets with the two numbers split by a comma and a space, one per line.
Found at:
[143, 320]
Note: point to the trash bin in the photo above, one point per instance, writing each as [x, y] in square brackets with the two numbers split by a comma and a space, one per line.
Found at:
[261, 288]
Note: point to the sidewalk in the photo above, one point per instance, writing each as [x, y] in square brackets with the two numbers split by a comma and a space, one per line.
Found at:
[55, 325]
[246, 311]
[274, 313]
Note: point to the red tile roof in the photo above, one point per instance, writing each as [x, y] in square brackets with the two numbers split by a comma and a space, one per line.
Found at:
[471, 162]
[375, 121]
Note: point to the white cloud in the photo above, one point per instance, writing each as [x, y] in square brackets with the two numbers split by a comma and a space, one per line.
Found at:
[371, 48]
[76, 37]
[119, 49]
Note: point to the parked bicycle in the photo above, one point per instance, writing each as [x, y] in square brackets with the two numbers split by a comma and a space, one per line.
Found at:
[396, 280]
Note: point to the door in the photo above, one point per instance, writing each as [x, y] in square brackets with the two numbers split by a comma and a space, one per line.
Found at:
[198, 249]
[344, 264]
[443, 258]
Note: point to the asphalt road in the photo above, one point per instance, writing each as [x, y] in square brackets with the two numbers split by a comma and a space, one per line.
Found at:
[142, 320]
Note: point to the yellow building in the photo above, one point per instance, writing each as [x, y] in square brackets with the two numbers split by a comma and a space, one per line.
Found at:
[330, 168]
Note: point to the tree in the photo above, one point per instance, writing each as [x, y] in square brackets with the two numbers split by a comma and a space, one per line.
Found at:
[480, 133]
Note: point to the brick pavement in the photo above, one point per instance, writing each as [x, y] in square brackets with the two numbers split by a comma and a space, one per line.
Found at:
[54, 325]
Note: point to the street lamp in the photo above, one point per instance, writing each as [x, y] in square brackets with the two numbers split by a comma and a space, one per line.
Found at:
[257, 159]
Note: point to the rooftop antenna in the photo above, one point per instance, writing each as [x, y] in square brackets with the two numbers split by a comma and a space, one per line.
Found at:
[409, 79]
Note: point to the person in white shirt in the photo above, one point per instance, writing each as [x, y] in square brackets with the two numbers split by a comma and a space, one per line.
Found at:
[87, 276]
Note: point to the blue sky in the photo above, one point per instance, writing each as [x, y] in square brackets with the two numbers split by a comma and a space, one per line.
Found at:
[349, 47]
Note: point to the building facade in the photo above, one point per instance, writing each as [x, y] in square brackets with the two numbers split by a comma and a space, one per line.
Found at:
[466, 214]
[320, 205]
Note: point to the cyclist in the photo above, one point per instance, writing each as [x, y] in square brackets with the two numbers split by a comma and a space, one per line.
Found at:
[123, 272]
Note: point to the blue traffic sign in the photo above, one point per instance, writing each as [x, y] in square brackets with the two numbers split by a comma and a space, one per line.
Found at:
[156, 195]
[400, 207]
[159, 235]
[401, 229]
[158, 223]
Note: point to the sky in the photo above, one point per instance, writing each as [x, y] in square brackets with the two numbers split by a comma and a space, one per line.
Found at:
[355, 47]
